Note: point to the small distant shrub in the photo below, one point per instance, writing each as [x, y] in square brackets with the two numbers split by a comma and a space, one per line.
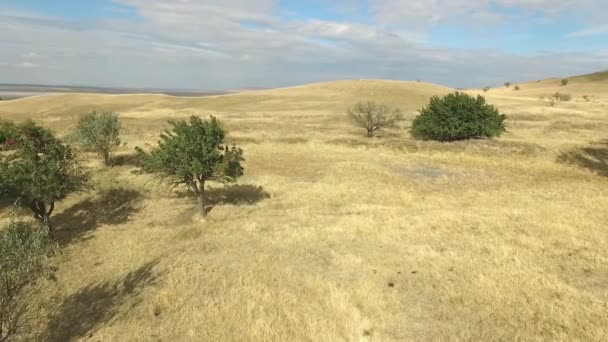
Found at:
[516, 88]
[486, 89]
[586, 98]
[458, 116]
[552, 103]
[562, 97]
[23, 254]
[99, 133]
[373, 117]
[565, 82]
[507, 84]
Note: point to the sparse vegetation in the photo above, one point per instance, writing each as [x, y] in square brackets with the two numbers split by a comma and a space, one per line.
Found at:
[193, 153]
[23, 253]
[586, 98]
[39, 171]
[373, 117]
[564, 82]
[517, 88]
[486, 89]
[562, 97]
[458, 116]
[99, 133]
[508, 84]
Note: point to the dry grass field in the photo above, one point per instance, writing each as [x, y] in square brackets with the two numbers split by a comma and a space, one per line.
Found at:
[331, 236]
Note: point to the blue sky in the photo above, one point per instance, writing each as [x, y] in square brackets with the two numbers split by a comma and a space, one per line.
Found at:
[221, 44]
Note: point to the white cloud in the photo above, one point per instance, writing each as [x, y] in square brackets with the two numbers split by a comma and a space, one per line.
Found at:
[590, 31]
[215, 44]
[27, 65]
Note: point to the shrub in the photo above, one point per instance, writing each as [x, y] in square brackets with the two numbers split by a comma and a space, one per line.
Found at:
[191, 154]
[517, 88]
[486, 89]
[586, 98]
[562, 97]
[99, 133]
[373, 117]
[565, 82]
[23, 254]
[458, 116]
[507, 84]
[39, 171]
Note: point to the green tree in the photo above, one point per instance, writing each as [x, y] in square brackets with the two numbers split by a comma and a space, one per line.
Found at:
[193, 153]
[517, 88]
[23, 254]
[486, 89]
[373, 117]
[507, 84]
[565, 82]
[99, 133]
[458, 116]
[38, 171]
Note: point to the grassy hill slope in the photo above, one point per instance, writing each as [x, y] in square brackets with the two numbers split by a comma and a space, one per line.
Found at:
[333, 236]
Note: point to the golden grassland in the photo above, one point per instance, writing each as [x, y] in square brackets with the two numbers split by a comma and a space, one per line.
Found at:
[331, 236]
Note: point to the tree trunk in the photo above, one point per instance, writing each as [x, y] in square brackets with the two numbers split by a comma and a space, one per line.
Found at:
[107, 158]
[200, 199]
[43, 215]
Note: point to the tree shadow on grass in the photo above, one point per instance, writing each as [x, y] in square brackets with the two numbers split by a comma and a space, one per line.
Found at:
[80, 313]
[111, 207]
[127, 159]
[594, 158]
[237, 195]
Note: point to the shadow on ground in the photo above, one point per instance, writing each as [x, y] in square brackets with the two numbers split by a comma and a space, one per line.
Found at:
[594, 158]
[127, 159]
[237, 195]
[81, 313]
[111, 207]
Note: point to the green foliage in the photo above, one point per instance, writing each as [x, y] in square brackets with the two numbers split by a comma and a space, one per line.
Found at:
[486, 89]
[373, 117]
[23, 255]
[99, 133]
[562, 97]
[458, 116]
[507, 84]
[565, 82]
[39, 170]
[191, 153]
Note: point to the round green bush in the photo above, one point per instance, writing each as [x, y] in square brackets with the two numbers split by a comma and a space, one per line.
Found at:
[458, 116]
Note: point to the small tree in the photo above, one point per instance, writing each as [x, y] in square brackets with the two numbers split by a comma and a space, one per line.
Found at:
[565, 82]
[517, 88]
[23, 253]
[486, 89]
[193, 153]
[458, 116]
[99, 133]
[507, 84]
[373, 117]
[39, 171]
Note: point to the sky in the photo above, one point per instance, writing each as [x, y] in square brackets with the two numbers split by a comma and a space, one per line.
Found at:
[235, 44]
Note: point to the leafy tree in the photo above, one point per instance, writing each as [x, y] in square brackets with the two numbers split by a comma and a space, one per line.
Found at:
[193, 153]
[507, 84]
[458, 116]
[23, 253]
[373, 117]
[565, 82]
[99, 133]
[38, 171]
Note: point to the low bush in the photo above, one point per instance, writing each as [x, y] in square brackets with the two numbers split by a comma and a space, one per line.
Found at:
[23, 254]
[458, 116]
[565, 82]
[517, 88]
[562, 97]
[373, 117]
[507, 84]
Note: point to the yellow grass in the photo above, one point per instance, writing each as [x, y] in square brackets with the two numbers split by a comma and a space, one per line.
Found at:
[331, 236]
